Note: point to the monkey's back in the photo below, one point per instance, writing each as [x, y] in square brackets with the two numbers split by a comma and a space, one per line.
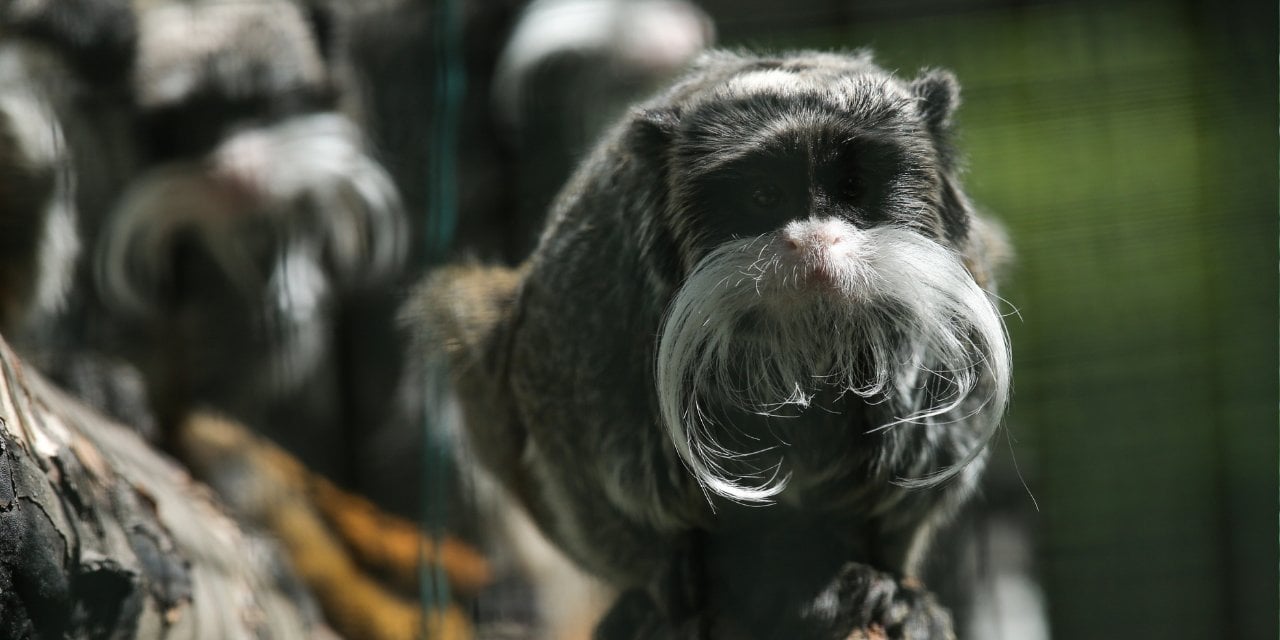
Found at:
[613, 492]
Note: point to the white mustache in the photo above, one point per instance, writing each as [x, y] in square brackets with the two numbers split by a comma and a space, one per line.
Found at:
[259, 180]
[895, 309]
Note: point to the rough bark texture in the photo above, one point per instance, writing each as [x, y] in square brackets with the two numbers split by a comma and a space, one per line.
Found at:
[100, 536]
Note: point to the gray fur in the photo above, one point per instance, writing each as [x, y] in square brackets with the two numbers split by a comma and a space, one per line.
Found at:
[615, 389]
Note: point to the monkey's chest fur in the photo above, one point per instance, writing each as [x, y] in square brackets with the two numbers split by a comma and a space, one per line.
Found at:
[603, 479]
[610, 386]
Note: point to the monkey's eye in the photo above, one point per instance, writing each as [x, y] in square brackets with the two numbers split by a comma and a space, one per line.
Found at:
[766, 196]
[850, 187]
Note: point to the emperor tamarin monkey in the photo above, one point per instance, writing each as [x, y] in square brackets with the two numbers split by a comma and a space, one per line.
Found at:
[239, 255]
[755, 347]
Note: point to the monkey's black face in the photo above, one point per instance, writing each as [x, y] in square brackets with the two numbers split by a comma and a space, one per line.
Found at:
[822, 238]
[255, 242]
[758, 194]
[260, 207]
[777, 145]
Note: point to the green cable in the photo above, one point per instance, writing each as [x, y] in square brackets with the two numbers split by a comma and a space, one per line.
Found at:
[441, 222]
[450, 87]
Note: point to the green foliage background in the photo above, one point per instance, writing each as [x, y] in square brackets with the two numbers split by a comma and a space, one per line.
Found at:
[1130, 149]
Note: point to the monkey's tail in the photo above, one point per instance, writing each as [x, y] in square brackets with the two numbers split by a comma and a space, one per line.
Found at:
[335, 540]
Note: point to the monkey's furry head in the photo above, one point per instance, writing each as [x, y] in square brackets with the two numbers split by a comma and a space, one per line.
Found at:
[274, 223]
[808, 222]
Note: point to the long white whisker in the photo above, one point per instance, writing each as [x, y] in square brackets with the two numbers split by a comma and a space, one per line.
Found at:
[908, 327]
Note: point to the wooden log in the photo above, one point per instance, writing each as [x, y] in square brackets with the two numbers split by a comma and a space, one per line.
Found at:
[101, 536]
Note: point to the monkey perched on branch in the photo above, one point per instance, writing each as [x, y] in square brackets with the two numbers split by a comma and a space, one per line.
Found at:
[754, 361]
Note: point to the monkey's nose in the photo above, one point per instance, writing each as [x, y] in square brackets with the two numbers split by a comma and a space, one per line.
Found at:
[818, 236]
[813, 241]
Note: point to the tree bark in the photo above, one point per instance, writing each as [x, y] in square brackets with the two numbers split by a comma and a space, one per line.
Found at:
[101, 536]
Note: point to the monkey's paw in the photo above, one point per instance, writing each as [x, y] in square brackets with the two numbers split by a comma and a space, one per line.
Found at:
[862, 603]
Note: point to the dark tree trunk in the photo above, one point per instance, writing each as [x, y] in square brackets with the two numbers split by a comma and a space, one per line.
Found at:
[101, 536]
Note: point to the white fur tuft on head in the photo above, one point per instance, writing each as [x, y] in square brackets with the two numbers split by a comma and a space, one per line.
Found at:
[887, 314]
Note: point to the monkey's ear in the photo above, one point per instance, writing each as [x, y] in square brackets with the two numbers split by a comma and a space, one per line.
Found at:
[652, 129]
[939, 94]
[987, 251]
